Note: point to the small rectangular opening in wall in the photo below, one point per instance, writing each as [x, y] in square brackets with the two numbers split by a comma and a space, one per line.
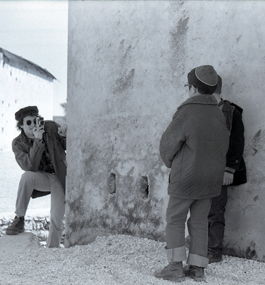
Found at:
[112, 183]
[144, 186]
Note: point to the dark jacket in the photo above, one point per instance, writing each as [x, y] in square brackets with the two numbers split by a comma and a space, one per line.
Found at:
[234, 156]
[28, 152]
[194, 146]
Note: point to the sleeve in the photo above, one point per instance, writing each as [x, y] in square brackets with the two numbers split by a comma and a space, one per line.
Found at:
[237, 142]
[61, 139]
[172, 139]
[28, 160]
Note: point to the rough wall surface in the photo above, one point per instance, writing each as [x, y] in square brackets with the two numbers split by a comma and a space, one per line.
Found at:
[127, 69]
[20, 89]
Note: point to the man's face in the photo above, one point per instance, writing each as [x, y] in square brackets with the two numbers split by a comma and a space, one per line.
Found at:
[29, 123]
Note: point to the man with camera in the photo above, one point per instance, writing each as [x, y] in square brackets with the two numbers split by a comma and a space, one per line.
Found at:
[40, 152]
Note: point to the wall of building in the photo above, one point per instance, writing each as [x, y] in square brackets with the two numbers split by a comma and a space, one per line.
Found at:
[18, 90]
[127, 66]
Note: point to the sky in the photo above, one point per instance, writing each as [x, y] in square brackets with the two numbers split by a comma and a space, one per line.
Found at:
[37, 31]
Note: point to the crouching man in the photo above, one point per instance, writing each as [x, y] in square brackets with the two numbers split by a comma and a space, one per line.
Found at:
[40, 152]
[194, 146]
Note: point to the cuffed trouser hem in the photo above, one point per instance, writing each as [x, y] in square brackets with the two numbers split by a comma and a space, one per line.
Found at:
[215, 250]
[197, 260]
[176, 254]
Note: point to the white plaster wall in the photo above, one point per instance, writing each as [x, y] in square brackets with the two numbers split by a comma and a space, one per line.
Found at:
[18, 90]
[234, 45]
[128, 62]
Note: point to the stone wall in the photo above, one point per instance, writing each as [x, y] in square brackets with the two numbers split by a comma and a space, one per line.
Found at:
[127, 66]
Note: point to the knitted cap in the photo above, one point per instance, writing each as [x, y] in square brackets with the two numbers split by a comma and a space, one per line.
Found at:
[27, 111]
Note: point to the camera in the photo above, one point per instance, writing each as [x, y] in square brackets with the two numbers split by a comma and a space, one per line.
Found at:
[40, 122]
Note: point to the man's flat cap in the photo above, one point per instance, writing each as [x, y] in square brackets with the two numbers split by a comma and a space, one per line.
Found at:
[27, 111]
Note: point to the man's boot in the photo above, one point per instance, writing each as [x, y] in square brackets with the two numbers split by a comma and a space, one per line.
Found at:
[174, 270]
[195, 272]
[16, 227]
[215, 257]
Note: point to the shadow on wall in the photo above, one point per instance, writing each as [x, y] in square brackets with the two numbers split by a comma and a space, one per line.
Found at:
[249, 252]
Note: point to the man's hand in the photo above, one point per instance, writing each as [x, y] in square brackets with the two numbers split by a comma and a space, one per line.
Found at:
[62, 130]
[228, 178]
[38, 132]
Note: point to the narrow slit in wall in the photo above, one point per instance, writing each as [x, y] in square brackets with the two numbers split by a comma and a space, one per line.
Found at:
[144, 186]
[112, 183]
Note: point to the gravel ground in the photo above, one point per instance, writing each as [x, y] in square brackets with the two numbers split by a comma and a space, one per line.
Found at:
[117, 259]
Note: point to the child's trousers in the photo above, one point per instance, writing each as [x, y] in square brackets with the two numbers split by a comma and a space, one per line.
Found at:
[176, 217]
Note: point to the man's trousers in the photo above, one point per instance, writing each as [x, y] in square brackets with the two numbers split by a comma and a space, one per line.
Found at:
[216, 224]
[43, 181]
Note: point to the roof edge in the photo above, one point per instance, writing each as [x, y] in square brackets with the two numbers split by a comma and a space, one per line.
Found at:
[25, 65]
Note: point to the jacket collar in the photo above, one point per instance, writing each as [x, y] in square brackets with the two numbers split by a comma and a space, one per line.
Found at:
[201, 100]
[234, 105]
[25, 139]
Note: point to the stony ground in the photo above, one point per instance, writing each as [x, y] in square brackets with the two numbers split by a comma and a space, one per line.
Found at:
[109, 260]
[117, 259]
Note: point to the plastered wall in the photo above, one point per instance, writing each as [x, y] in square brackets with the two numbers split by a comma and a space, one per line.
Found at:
[18, 90]
[127, 66]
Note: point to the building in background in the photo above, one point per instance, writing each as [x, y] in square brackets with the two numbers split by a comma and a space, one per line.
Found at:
[22, 83]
